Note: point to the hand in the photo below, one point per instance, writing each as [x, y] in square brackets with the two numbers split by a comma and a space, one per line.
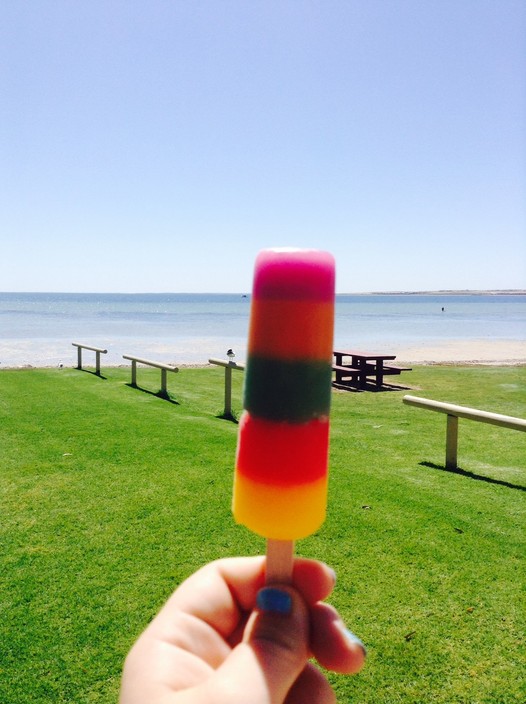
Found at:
[224, 637]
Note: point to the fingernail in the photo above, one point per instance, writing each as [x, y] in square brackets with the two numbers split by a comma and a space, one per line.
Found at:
[274, 601]
[354, 640]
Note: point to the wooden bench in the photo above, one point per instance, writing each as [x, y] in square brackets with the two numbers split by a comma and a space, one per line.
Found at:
[149, 363]
[366, 365]
[389, 369]
[98, 351]
[344, 374]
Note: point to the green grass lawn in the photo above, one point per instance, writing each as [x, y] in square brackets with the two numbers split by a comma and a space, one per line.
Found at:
[110, 496]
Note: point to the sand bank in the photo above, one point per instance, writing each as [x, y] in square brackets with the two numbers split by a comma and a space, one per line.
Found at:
[498, 352]
[495, 352]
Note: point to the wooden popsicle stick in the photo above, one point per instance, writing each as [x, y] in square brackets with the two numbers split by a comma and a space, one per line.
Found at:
[280, 559]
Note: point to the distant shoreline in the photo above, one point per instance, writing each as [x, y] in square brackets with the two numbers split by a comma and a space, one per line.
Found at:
[446, 292]
[440, 292]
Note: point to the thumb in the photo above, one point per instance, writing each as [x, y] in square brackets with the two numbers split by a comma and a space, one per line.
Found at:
[274, 650]
[279, 636]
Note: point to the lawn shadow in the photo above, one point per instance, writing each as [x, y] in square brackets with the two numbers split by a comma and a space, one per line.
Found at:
[93, 372]
[343, 386]
[158, 394]
[228, 416]
[472, 475]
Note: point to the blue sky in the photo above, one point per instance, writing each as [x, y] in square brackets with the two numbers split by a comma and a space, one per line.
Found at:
[159, 145]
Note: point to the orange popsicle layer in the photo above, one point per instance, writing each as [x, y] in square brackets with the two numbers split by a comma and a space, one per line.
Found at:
[289, 330]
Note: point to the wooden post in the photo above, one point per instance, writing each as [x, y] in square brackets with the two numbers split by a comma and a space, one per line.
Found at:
[451, 442]
[228, 391]
[164, 388]
[98, 351]
[134, 372]
[227, 413]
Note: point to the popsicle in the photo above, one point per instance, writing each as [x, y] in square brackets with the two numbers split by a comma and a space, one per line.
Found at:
[280, 484]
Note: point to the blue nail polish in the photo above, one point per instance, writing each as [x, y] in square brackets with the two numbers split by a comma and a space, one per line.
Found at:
[274, 601]
[355, 640]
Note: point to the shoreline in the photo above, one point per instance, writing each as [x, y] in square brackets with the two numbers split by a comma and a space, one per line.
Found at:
[452, 292]
[245, 294]
[485, 352]
[447, 352]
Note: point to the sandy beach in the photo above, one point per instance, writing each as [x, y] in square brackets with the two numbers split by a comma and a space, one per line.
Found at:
[497, 352]
[485, 352]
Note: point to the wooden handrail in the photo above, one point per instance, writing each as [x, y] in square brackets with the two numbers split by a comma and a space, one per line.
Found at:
[98, 351]
[226, 363]
[151, 363]
[453, 413]
[89, 347]
[464, 412]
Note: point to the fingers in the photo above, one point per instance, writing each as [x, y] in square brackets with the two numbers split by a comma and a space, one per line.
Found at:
[314, 580]
[282, 634]
[312, 687]
[335, 647]
[219, 592]
[273, 653]
[222, 593]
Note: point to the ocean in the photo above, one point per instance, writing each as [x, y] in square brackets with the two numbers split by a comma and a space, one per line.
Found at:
[37, 329]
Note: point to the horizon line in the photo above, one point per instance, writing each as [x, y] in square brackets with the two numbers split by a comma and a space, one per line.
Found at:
[407, 292]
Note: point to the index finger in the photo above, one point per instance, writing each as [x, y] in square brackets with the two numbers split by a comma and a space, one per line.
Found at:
[221, 592]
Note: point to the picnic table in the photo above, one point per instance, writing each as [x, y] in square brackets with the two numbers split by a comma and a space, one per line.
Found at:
[359, 366]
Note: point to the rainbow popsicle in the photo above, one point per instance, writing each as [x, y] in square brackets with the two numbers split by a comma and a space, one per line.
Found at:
[280, 485]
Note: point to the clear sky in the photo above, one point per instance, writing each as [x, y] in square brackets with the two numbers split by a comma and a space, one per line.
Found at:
[155, 146]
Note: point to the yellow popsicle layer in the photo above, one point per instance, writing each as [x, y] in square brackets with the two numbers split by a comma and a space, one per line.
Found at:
[277, 512]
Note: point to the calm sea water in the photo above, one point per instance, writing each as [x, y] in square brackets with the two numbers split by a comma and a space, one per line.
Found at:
[38, 328]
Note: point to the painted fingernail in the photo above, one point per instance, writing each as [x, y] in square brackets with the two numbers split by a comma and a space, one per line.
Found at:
[274, 601]
[355, 640]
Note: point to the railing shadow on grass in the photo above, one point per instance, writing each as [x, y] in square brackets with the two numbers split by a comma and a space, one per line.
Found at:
[472, 475]
[228, 416]
[158, 394]
[93, 372]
